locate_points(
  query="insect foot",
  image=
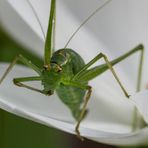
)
(49, 93)
(78, 134)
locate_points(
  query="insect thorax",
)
(65, 63)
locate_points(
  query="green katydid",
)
(65, 72)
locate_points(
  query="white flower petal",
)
(105, 119)
(114, 37)
(120, 26)
(135, 138)
(16, 26)
(71, 22)
(109, 111)
(141, 101)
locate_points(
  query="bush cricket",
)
(65, 72)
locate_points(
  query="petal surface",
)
(114, 38)
(108, 107)
(105, 119)
(141, 101)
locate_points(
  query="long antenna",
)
(86, 20)
(37, 17)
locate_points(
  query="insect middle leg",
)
(18, 82)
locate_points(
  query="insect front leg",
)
(23, 60)
(87, 97)
(18, 82)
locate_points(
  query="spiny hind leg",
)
(114, 74)
(96, 70)
(94, 60)
(83, 110)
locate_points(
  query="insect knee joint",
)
(89, 92)
(103, 55)
(17, 82)
(141, 46)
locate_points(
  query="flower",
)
(120, 25)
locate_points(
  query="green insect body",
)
(65, 63)
(65, 72)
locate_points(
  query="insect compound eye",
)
(56, 67)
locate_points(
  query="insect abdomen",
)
(72, 97)
(69, 95)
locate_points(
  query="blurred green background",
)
(16, 132)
